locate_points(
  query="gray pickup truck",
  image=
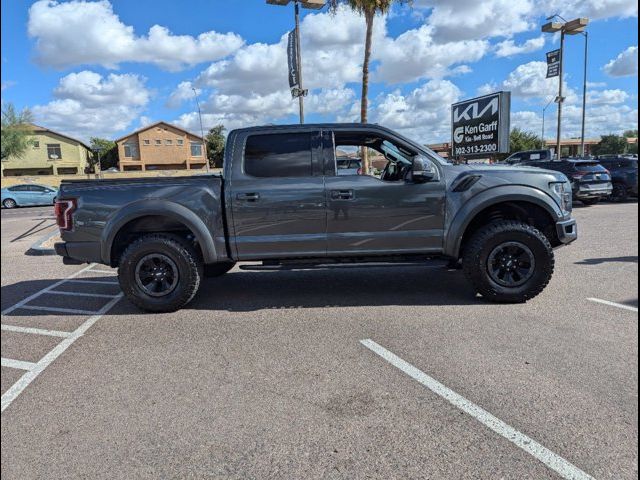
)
(282, 201)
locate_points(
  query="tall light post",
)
(311, 4)
(544, 109)
(584, 90)
(204, 143)
(572, 27)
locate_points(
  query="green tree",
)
(368, 9)
(215, 145)
(630, 133)
(610, 144)
(108, 153)
(16, 131)
(632, 147)
(520, 140)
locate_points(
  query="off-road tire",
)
(619, 194)
(486, 239)
(9, 203)
(213, 270)
(187, 260)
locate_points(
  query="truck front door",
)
(277, 197)
(379, 215)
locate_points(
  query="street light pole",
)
(544, 110)
(584, 91)
(560, 99)
(572, 27)
(298, 59)
(204, 143)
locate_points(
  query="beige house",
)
(160, 146)
(50, 153)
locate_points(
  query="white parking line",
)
(99, 282)
(16, 389)
(18, 364)
(108, 272)
(78, 294)
(614, 304)
(544, 455)
(72, 311)
(35, 331)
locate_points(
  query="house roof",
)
(152, 125)
(38, 128)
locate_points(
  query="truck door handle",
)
(248, 197)
(342, 194)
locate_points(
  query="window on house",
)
(36, 144)
(147, 142)
(180, 142)
(131, 150)
(168, 142)
(158, 141)
(196, 149)
(53, 151)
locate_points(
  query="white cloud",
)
(472, 19)
(607, 97)
(414, 55)
(184, 91)
(624, 65)
(593, 9)
(529, 81)
(81, 32)
(88, 104)
(508, 48)
(423, 114)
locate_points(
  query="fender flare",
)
(488, 198)
(161, 208)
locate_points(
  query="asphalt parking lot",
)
(372, 372)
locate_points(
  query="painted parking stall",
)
(42, 302)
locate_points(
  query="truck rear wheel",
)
(160, 272)
(508, 261)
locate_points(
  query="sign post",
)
(481, 126)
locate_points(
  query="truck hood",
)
(507, 170)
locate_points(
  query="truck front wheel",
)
(160, 272)
(508, 261)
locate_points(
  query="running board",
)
(270, 267)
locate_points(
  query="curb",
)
(38, 248)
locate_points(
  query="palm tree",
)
(368, 9)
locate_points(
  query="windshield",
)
(588, 166)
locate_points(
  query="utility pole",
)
(204, 142)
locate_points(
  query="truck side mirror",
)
(423, 170)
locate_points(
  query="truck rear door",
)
(277, 197)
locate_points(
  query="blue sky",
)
(105, 68)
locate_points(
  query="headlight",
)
(564, 194)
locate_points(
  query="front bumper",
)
(567, 231)
(75, 253)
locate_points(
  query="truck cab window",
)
(278, 155)
(387, 161)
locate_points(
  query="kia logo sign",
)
(472, 110)
(480, 126)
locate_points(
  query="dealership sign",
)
(480, 126)
(553, 63)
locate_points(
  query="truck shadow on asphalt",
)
(247, 291)
(598, 261)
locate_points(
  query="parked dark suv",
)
(519, 158)
(624, 175)
(590, 181)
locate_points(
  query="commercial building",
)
(50, 153)
(160, 146)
